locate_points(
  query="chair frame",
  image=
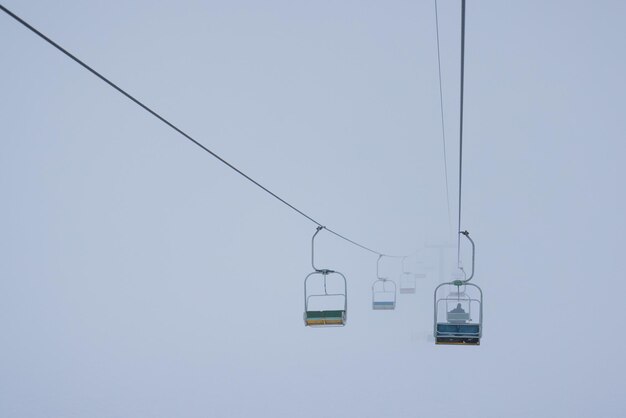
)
(308, 296)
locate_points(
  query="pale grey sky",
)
(139, 277)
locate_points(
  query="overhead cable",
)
(184, 134)
(461, 127)
(443, 127)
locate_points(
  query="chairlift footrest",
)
(457, 341)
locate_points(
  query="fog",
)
(141, 277)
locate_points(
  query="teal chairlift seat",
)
(454, 321)
(459, 326)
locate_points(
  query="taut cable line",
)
(443, 127)
(461, 129)
(183, 133)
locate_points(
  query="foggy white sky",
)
(140, 277)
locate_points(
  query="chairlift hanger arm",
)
(323, 271)
(380, 256)
(317, 231)
(467, 279)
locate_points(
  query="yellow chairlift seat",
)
(325, 295)
(325, 318)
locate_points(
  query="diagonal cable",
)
(180, 131)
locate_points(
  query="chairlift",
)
(383, 291)
(408, 279)
(325, 295)
(408, 283)
(460, 326)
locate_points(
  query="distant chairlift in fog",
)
(325, 295)
(459, 306)
(408, 279)
(383, 291)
